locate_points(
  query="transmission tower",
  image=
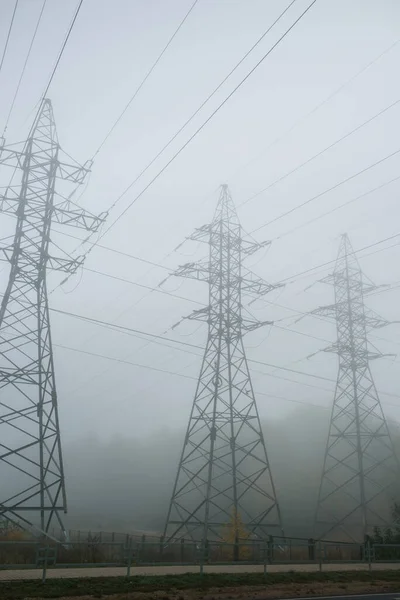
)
(360, 469)
(224, 471)
(32, 487)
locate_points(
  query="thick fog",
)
(124, 397)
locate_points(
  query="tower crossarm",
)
(65, 265)
(248, 326)
(329, 310)
(368, 318)
(63, 213)
(78, 217)
(195, 270)
(374, 321)
(252, 284)
(15, 158)
(201, 234)
(202, 314)
(75, 173)
(249, 247)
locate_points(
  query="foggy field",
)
(199, 283)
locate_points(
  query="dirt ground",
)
(290, 590)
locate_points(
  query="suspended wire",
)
(78, 8)
(306, 162)
(43, 96)
(306, 202)
(8, 35)
(126, 362)
(285, 233)
(114, 250)
(122, 328)
(322, 103)
(296, 276)
(178, 152)
(329, 212)
(169, 142)
(290, 279)
(149, 72)
(193, 135)
(147, 287)
(24, 67)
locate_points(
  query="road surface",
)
(77, 572)
(388, 596)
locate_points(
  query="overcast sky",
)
(313, 89)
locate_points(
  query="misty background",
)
(125, 398)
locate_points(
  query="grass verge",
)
(103, 586)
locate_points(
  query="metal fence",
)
(129, 552)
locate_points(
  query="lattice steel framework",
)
(224, 470)
(32, 487)
(360, 469)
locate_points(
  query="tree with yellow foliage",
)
(237, 534)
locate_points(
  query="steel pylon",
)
(32, 485)
(224, 470)
(360, 470)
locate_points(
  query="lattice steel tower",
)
(224, 470)
(360, 469)
(32, 488)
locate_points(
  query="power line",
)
(147, 287)
(329, 212)
(199, 128)
(205, 101)
(290, 279)
(96, 243)
(296, 276)
(177, 374)
(149, 72)
(325, 101)
(156, 289)
(43, 96)
(8, 35)
(125, 362)
(306, 162)
(292, 210)
(78, 8)
(187, 344)
(24, 67)
(114, 250)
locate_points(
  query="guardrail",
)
(36, 554)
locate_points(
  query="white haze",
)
(130, 410)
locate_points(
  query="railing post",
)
(44, 569)
(369, 554)
(270, 548)
(161, 547)
(143, 546)
(265, 557)
(311, 549)
(320, 554)
(129, 557)
(182, 550)
(202, 558)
